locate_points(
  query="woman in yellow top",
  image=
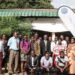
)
(71, 55)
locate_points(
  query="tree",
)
(25, 27)
(25, 4)
(10, 24)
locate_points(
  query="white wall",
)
(49, 25)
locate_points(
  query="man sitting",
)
(33, 63)
(62, 63)
(46, 63)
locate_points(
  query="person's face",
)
(62, 37)
(32, 53)
(15, 34)
(50, 38)
(36, 36)
(4, 37)
(45, 37)
(59, 42)
(26, 37)
(20, 36)
(40, 38)
(32, 39)
(67, 38)
(61, 54)
(56, 38)
(72, 41)
(47, 55)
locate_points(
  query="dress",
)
(71, 55)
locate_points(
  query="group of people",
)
(37, 55)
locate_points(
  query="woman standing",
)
(57, 49)
(1, 53)
(5, 60)
(25, 48)
(71, 55)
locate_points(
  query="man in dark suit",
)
(43, 44)
(49, 45)
(33, 63)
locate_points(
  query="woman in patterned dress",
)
(71, 55)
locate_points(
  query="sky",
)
(59, 3)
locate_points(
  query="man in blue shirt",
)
(13, 44)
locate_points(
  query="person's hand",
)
(32, 70)
(47, 69)
(61, 70)
(3, 55)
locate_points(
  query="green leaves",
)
(10, 24)
(25, 27)
(35, 4)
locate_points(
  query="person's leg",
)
(25, 66)
(16, 61)
(11, 58)
(65, 72)
(22, 64)
(1, 60)
(58, 72)
(42, 71)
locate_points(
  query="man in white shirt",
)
(64, 42)
(52, 46)
(13, 44)
(62, 63)
(46, 63)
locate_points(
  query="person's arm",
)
(66, 65)
(42, 63)
(9, 42)
(51, 63)
(68, 49)
(57, 66)
(29, 45)
(21, 46)
(52, 46)
(3, 53)
(36, 62)
(28, 62)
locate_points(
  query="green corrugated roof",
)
(29, 12)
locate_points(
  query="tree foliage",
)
(10, 24)
(25, 4)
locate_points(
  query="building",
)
(46, 20)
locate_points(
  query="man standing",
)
(49, 45)
(13, 44)
(43, 44)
